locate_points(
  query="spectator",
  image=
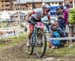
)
(69, 27)
(56, 32)
(60, 17)
(66, 11)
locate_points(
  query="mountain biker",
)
(36, 17)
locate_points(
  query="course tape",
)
(61, 38)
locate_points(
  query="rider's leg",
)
(31, 28)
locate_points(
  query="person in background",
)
(55, 28)
(60, 17)
(69, 27)
(66, 11)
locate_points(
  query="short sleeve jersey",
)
(39, 12)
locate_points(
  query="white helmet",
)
(46, 6)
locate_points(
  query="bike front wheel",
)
(41, 44)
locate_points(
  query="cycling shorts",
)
(31, 27)
(32, 22)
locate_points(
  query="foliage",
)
(72, 16)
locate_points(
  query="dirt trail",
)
(15, 53)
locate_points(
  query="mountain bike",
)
(38, 41)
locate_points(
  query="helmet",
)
(46, 6)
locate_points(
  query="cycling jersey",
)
(39, 13)
(34, 17)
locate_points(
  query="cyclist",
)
(36, 17)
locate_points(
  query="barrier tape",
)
(62, 38)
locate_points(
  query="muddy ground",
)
(16, 53)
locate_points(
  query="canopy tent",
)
(5, 16)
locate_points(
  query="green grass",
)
(3, 24)
(61, 52)
(14, 40)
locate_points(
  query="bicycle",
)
(38, 41)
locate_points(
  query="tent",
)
(5, 16)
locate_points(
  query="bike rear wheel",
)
(31, 44)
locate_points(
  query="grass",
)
(61, 52)
(3, 24)
(19, 39)
(13, 40)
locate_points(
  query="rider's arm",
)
(29, 14)
(48, 17)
